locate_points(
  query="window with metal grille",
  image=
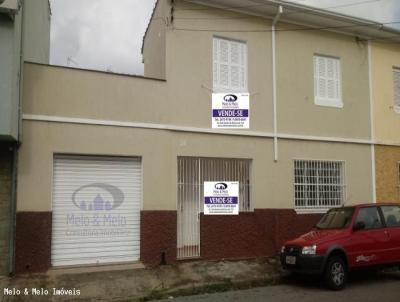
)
(318, 185)
(194, 171)
(327, 81)
(229, 65)
(396, 85)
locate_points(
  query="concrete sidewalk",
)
(124, 283)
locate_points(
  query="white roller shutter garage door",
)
(96, 210)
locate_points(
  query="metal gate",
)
(96, 210)
(192, 173)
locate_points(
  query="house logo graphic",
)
(230, 98)
(101, 201)
(221, 186)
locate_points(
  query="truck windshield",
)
(339, 218)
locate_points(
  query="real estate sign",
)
(230, 110)
(221, 198)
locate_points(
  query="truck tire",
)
(336, 273)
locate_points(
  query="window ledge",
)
(329, 103)
(228, 90)
(311, 211)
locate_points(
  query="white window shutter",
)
(331, 80)
(396, 84)
(320, 77)
(327, 85)
(234, 65)
(235, 53)
(235, 77)
(215, 62)
(224, 51)
(229, 65)
(224, 75)
(243, 68)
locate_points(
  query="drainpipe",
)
(274, 94)
(372, 123)
(13, 208)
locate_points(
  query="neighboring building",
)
(385, 70)
(112, 167)
(18, 19)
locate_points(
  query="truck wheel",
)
(336, 273)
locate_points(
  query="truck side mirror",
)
(360, 225)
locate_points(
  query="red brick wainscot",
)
(251, 234)
(158, 233)
(248, 235)
(33, 242)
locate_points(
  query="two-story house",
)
(112, 167)
(385, 88)
(24, 34)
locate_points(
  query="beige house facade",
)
(136, 151)
(386, 107)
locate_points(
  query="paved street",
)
(362, 288)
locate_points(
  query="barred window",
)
(318, 185)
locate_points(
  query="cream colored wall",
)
(189, 72)
(272, 183)
(190, 69)
(358, 171)
(84, 94)
(37, 18)
(185, 100)
(154, 47)
(384, 57)
(42, 140)
(297, 112)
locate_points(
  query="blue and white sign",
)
(230, 110)
(221, 198)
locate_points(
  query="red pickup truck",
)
(346, 238)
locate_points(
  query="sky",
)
(99, 34)
(378, 10)
(107, 35)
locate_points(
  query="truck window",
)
(370, 217)
(391, 215)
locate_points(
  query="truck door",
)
(391, 216)
(369, 243)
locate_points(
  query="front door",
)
(189, 202)
(192, 173)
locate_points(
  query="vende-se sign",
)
(221, 198)
(230, 110)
